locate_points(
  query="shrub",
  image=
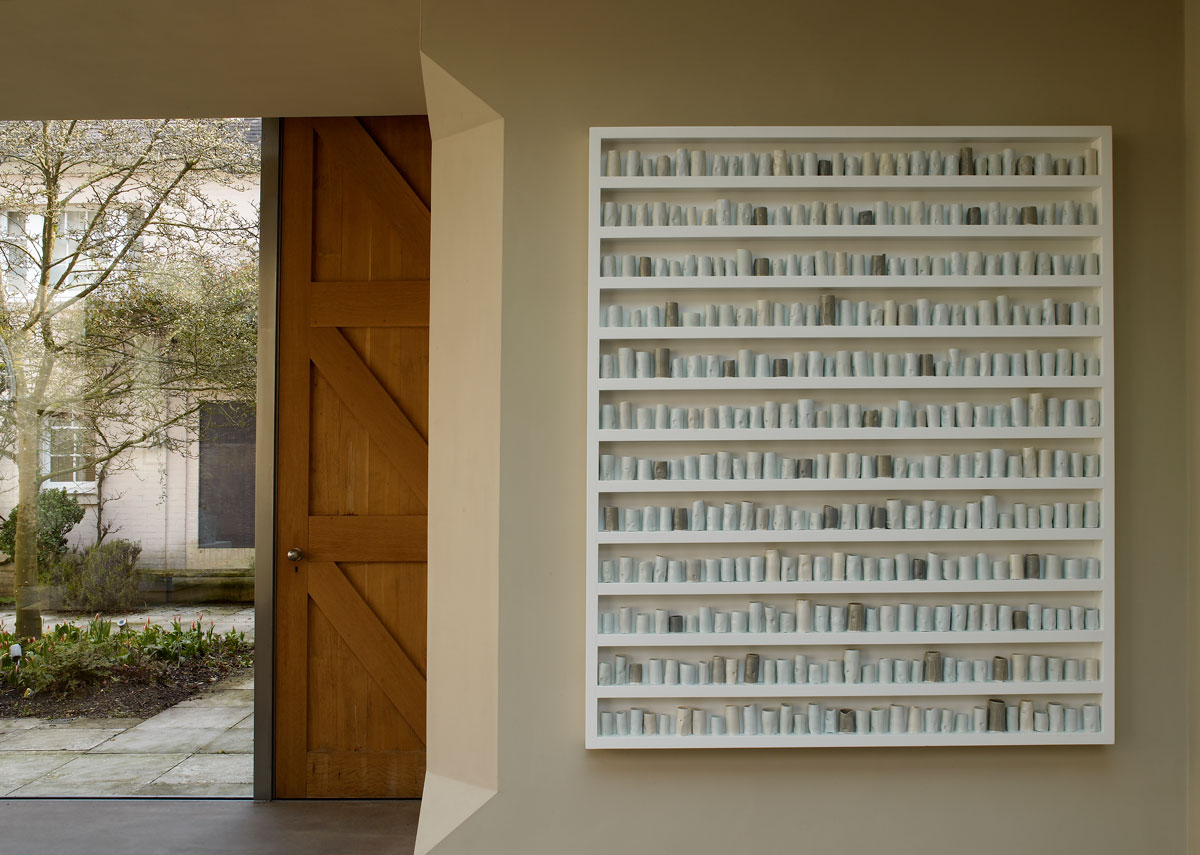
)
(65, 667)
(101, 578)
(58, 513)
(68, 658)
(71, 657)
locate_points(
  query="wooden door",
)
(352, 458)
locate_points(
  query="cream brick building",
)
(191, 511)
(155, 500)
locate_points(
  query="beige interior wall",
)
(552, 70)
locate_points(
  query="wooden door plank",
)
(291, 594)
(380, 537)
(375, 647)
(379, 177)
(396, 593)
(394, 303)
(329, 190)
(406, 142)
(370, 403)
(347, 708)
(349, 774)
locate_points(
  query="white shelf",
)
(916, 586)
(1036, 233)
(849, 332)
(851, 690)
(854, 639)
(851, 182)
(827, 434)
(825, 485)
(937, 136)
(841, 283)
(852, 740)
(930, 535)
(611, 384)
(871, 392)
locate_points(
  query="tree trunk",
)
(25, 567)
(101, 531)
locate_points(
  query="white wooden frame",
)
(81, 489)
(1098, 542)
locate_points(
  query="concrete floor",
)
(212, 827)
(200, 747)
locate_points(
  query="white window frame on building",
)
(60, 423)
(21, 231)
(18, 253)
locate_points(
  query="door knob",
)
(295, 554)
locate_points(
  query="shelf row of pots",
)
(779, 162)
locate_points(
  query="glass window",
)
(72, 446)
(226, 475)
(16, 257)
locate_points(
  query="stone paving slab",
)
(178, 716)
(102, 775)
(211, 768)
(222, 698)
(196, 790)
(18, 768)
(57, 739)
(113, 723)
(159, 740)
(236, 740)
(9, 725)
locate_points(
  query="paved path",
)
(200, 747)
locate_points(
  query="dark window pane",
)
(226, 475)
(59, 465)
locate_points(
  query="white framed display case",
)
(850, 442)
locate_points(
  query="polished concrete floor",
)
(206, 827)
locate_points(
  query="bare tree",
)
(104, 469)
(127, 294)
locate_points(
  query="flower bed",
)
(102, 669)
